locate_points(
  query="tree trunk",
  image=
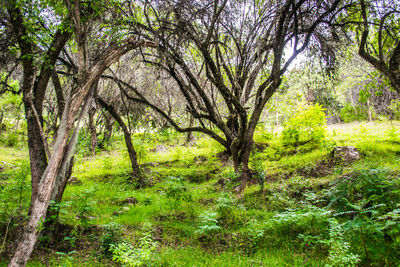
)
(37, 151)
(92, 129)
(63, 150)
(58, 192)
(189, 137)
(128, 141)
(1, 122)
(369, 111)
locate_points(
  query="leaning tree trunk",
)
(64, 145)
(92, 129)
(128, 141)
(1, 122)
(59, 159)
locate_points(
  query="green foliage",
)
(166, 135)
(391, 226)
(177, 189)
(365, 187)
(208, 223)
(310, 220)
(142, 150)
(85, 206)
(107, 163)
(224, 207)
(297, 220)
(339, 249)
(393, 135)
(348, 113)
(254, 236)
(394, 107)
(14, 192)
(307, 125)
(11, 109)
(259, 172)
(112, 235)
(363, 199)
(140, 255)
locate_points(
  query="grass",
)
(101, 199)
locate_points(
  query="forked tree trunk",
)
(240, 160)
(59, 159)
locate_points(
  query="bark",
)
(390, 67)
(34, 88)
(1, 122)
(109, 124)
(64, 147)
(369, 111)
(189, 136)
(128, 141)
(92, 130)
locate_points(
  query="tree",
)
(379, 43)
(226, 59)
(127, 135)
(77, 19)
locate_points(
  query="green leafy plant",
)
(307, 125)
(140, 255)
(177, 189)
(112, 234)
(142, 150)
(107, 163)
(339, 249)
(394, 107)
(85, 206)
(208, 223)
(393, 135)
(349, 113)
(259, 173)
(254, 235)
(225, 206)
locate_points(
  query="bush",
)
(208, 223)
(177, 189)
(394, 107)
(140, 255)
(307, 125)
(348, 113)
(253, 236)
(368, 187)
(339, 248)
(112, 234)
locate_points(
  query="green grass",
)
(100, 198)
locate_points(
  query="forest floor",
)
(186, 213)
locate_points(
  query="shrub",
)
(307, 125)
(348, 113)
(111, 235)
(142, 150)
(339, 249)
(177, 189)
(254, 235)
(85, 205)
(394, 107)
(140, 255)
(208, 223)
(225, 205)
(367, 186)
